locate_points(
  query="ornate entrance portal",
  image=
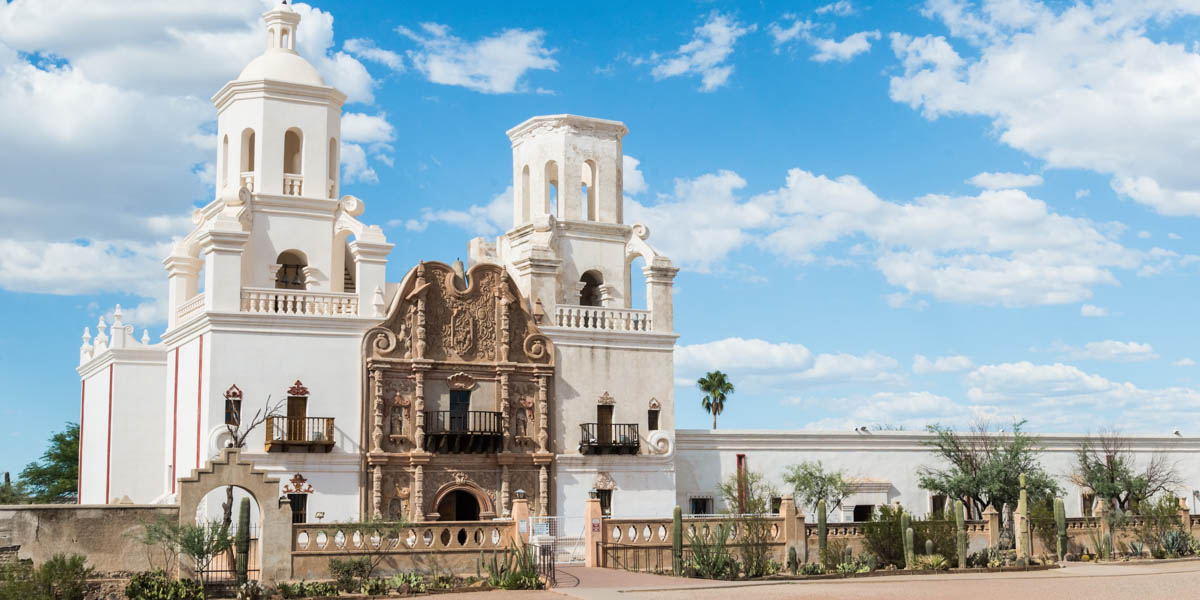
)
(458, 505)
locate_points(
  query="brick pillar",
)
(520, 517)
(992, 517)
(1185, 515)
(593, 532)
(793, 530)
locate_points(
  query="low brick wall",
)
(103, 533)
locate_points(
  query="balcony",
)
(602, 319)
(190, 308)
(299, 302)
(463, 432)
(247, 180)
(308, 434)
(609, 438)
(293, 185)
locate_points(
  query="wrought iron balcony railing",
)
(609, 438)
(467, 431)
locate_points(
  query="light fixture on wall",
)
(320, 515)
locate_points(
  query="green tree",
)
(811, 483)
(1105, 464)
(983, 466)
(54, 479)
(10, 493)
(717, 388)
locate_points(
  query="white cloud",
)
(1082, 193)
(490, 219)
(366, 49)
(363, 128)
(910, 410)
(1009, 382)
(782, 35)
(706, 53)
(634, 182)
(845, 50)
(1174, 236)
(1143, 235)
(493, 65)
(355, 166)
(1089, 310)
(841, 8)
(85, 268)
(999, 181)
(1184, 362)
(1112, 350)
(760, 366)
(942, 364)
(1077, 86)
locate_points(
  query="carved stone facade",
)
(467, 338)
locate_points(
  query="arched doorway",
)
(458, 505)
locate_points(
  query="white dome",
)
(281, 65)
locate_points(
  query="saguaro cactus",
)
(910, 558)
(822, 530)
(904, 528)
(960, 526)
(677, 542)
(242, 542)
(1060, 527)
(928, 547)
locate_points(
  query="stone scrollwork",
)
(660, 442)
(461, 381)
(603, 481)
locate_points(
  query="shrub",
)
(156, 585)
(414, 581)
(710, 556)
(349, 573)
(833, 555)
(932, 562)
(516, 571)
(63, 577)
(307, 589)
(939, 531)
(812, 569)
(1176, 543)
(881, 536)
(1160, 518)
(373, 586)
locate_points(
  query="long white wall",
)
(888, 460)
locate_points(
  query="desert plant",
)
(1176, 543)
(960, 529)
(811, 483)
(157, 585)
(516, 570)
(750, 492)
(381, 538)
(677, 542)
(349, 573)
(812, 569)
(1159, 517)
(793, 563)
(202, 542)
(928, 547)
(883, 535)
(63, 577)
(414, 582)
(833, 554)
(710, 556)
(1060, 527)
(909, 555)
(373, 586)
(932, 562)
(242, 543)
(251, 590)
(307, 589)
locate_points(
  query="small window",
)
(290, 275)
(292, 164)
(233, 411)
(863, 512)
(299, 507)
(605, 502)
(700, 506)
(741, 483)
(776, 503)
(937, 505)
(652, 420)
(1087, 501)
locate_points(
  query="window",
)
(587, 191)
(551, 194)
(333, 167)
(741, 483)
(525, 208)
(460, 407)
(700, 506)
(937, 504)
(247, 151)
(863, 512)
(1087, 502)
(291, 152)
(233, 411)
(652, 420)
(225, 162)
(589, 294)
(776, 503)
(299, 507)
(605, 502)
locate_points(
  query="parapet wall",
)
(106, 534)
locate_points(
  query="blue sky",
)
(884, 212)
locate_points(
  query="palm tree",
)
(717, 388)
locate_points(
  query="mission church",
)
(444, 395)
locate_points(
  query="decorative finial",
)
(87, 336)
(100, 326)
(117, 314)
(146, 337)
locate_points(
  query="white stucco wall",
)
(706, 457)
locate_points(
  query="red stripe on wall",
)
(175, 421)
(199, 397)
(79, 473)
(108, 458)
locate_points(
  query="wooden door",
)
(604, 429)
(297, 411)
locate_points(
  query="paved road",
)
(1140, 581)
